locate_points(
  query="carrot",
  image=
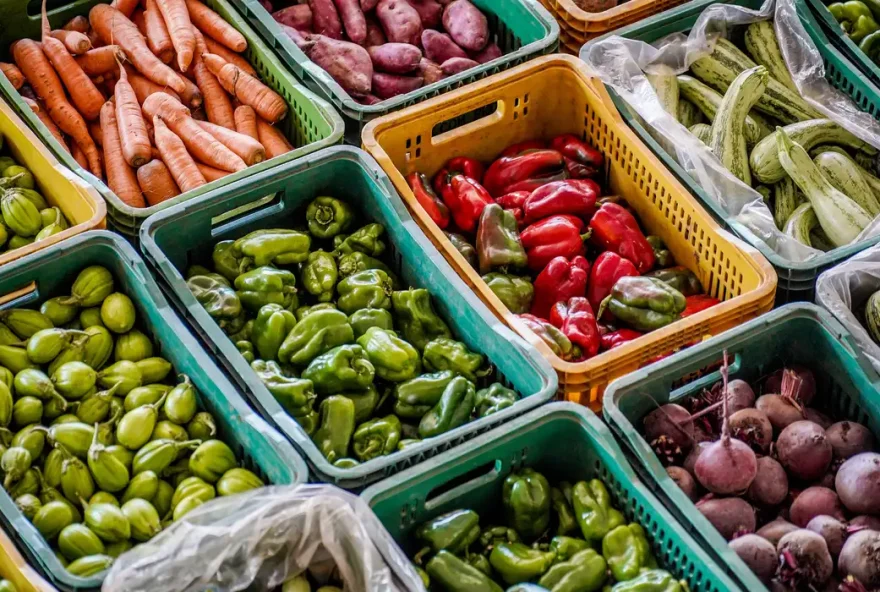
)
(200, 143)
(157, 35)
(156, 182)
(114, 27)
(75, 42)
(250, 150)
(97, 62)
(120, 177)
(95, 39)
(13, 74)
(40, 75)
(175, 156)
(96, 133)
(248, 90)
(214, 26)
(272, 139)
(217, 104)
(144, 87)
(80, 24)
(137, 17)
(132, 129)
(47, 121)
(126, 7)
(210, 173)
(192, 94)
(79, 156)
(179, 29)
(246, 121)
(229, 56)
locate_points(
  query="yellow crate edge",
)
(567, 12)
(14, 568)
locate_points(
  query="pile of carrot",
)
(152, 96)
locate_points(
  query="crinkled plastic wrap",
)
(259, 539)
(622, 63)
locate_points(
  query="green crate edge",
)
(409, 487)
(216, 341)
(35, 547)
(842, 42)
(128, 219)
(357, 115)
(796, 280)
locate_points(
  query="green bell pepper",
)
(452, 410)
(314, 335)
(481, 563)
(516, 293)
(319, 275)
(627, 551)
(644, 303)
(565, 519)
(652, 580)
(217, 298)
(243, 334)
(453, 532)
(526, 499)
(566, 547)
(494, 535)
(462, 245)
(516, 562)
(356, 262)
(498, 243)
(494, 398)
(246, 349)
(680, 278)
(593, 511)
(855, 18)
(415, 397)
(365, 289)
(366, 240)
(337, 426)
(274, 245)
(196, 270)
(555, 339)
(443, 353)
(423, 575)
(234, 325)
(267, 285)
(328, 216)
(304, 311)
(346, 463)
(271, 326)
(295, 395)
(365, 403)
(662, 255)
(415, 317)
(343, 368)
(870, 45)
(394, 359)
(584, 572)
(365, 318)
(406, 442)
(376, 437)
(455, 575)
(227, 263)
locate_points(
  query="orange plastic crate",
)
(581, 26)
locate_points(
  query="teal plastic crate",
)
(310, 125)
(832, 29)
(186, 234)
(564, 441)
(797, 281)
(31, 280)
(797, 333)
(523, 29)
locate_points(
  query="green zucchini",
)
(872, 316)
(844, 174)
(703, 131)
(728, 141)
(666, 87)
(761, 43)
(866, 160)
(726, 62)
(764, 159)
(820, 240)
(688, 113)
(872, 181)
(786, 198)
(801, 222)
(707, 100)
(765, 192)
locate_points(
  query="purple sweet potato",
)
(832, 530)
(803, 449)
(815, 501)
(325, 19)
(684, 480)
(298, 16)
(860, 558)
(770, 486)
(758, 553)
(386, 86)
(806, 557)
(400, 21)
(375, 35)
(849, 438)
(454, 66)
(729, 515)
(430, 71)
(348, 63)
(297, 37)
(266, 4)
(858, 483)
(353, 20)
(440, 47)
(396, 58)
(368, 5)
(774, 531)
(368, 100)
(491, 52)
(467, 26)
(430, 11)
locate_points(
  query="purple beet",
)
(860, 558)
(672, 422)
(770, 486)
(729, 515)
(780, 411)
(849, 438)
(684, 480)
(832, 530)
(803, 449)
(864, 522)
(804, 560)
(811, 414)
(815, 501)
(803, 387)
(691, 459)
(858, 483)
(758, 553)
(774, 531)
(752, 427)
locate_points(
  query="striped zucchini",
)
(764, 158)
(707, 100)
(819, 240)
(762, 44)
(766, 193)
(841, 218)
(872, 316)
(703, 131)
(726, 62)
(666, 87)
(728, 141)
(801, 222)
(688, 113)
(844, 174)
(786, 198)
(872, 181)
(867, 160)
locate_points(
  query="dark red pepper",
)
(428, 199)
(530, 185)
(607, 269)
(528, 146)
(698, 303)
(560, 280)
(513, 203)
(576, 320)
(466, 201)
(469, 167)
(507, 171)
(615, 229)
(577, 170)
(574, 196)
(556, 236)
(618, 338)
(583, 159)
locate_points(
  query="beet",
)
(849, 438)
(691, 459)
(729, 515)
(701, 435)
(779, 411)
(758, 553)
(865, 522)
(804, 560)
(684, 480)
(858, 483)
(815, 501)
(803, 393)
(860, 558)
(804, 450)
(739, 396)
(671, 422)
(752, 427)
(832, 530)
(827, 479)
(811, 414)
(773, 531)
(770, 486)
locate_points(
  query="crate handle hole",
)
(459, 486)
(466, 123)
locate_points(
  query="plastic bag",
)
(259, 539)
(622, 64)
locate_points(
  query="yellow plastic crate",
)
(14, 568)
(556, 95)
(80, 203)
(581, 26)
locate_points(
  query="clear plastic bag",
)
(259, 539)
(622, 64)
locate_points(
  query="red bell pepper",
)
(574, 196)
(698, 303)
(513, 203)
(507, 171)
(575, 319)
(534, 183)
(556, 236)
(618, 338)
(615, 229)
(428, 199)
(560, 280)
(460, 165)
(582, 159)
(607, 269)
(528, 146)
(466, 201)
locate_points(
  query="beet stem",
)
(725, 425)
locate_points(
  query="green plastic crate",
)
(797, 281)
(263, 450)
(523, 30)
(185, 235)
(565, 442)
(851, 50)
(796, 333)
(311, 123)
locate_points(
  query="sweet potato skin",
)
(440, 47)
(325, 18)
(348, 63)
(298, 16)
(395, 58)
(491, 52)
(353, 20)
(454, 66)
(386, 86)
(467, 26)
(430, 11)
(400, 21)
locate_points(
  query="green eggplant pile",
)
(7, 586)
(561, 538)
(101, 446)
(365, 365)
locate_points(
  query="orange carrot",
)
(114, 27)
(47, 121)
(210, 173)
(100, 61)
(217, 104)
(75, 42)
(272, 139)
(95, 39)
(156, 155)
(13, 74)
(179, 29)
(214, 26)
(79, 24)
(42, 78)
(246, 121)
(200, 143)
(132, 129)
(137, 17)
(120, 177)
(192, 94)
(229, 56)
(144, 87)
(79, 156)
(250, 150)
(156, 182)
(175, 156)
(248, 90)
(126, 7)
(96, 133)
(157, 33)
